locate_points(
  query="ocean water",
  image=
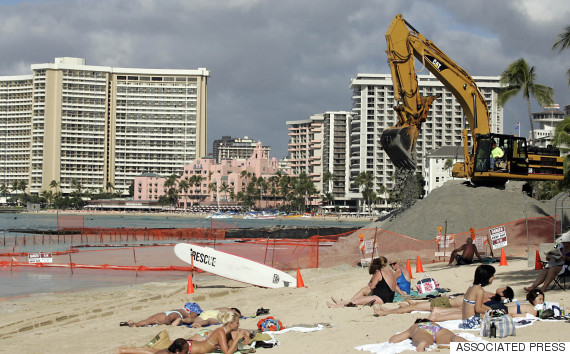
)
(24, 281)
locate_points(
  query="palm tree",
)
(328, 179)
(563, 42)
(519, 76)
(4, 190)
(365, 182)
(183, 186)
(54, 184)
(562, 141)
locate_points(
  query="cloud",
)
(274, 61)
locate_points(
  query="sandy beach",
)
(88, 322)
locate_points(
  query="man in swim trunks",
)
(469, 250)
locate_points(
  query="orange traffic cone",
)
(409, 268)
(537, 261)
(300, 283)
(503, 258)
(190, 287)
(419, 268)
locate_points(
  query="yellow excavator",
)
(519, 161)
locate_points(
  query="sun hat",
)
(192, 307)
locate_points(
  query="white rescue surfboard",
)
(233, 267)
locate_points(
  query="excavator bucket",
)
(399, 144)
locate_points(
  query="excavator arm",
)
(405, 44)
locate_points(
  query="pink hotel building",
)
(149, 187)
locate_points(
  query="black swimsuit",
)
(383, 291)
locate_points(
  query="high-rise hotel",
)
(99, 126)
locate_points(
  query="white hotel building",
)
(99, 125)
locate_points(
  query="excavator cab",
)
(513, 161)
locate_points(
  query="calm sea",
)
(22, 281)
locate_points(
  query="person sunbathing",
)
(209, 317)
(424, 333)
(443, 302)
(558, 262)
(190, 311)
(380, 289)
(219, 339)
(402, 277)
(473, 306)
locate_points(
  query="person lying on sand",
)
(209, 317)
(190, 311)
(443, 302)
(380, 289)
(513, 309)
(424, 333)
(219, 339)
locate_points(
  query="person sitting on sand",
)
(556, 265)
(380, 289)
(469, 250)
(444, 302)
(190, 311)
(424, 333)
(209, 317)
(473, 306)
(402, 277)
(219, 339)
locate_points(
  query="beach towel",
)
(394, 348)
(298, 328)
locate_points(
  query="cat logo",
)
(436, 64)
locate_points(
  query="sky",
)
(277, 61)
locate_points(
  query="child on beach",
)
(424, 333)
(473, 306)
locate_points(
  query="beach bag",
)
(270, 324)
(160, 341)
(505, 325)
(427, 285)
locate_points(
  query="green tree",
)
(54, 184)
(562, 43)
(365, 181)
(520, 77)
(562, 141)
(183, 187)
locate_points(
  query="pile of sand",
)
(464, 206)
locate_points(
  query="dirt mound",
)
(465, 206)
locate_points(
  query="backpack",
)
(270, 324)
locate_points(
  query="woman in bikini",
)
(473, 306)
(173, 318)
(424, 333)
(402, 277)
(219, 339)
(520, 309)
(380, 289)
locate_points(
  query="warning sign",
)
(40, 258)
(498, 237)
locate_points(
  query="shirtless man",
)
(468, 249)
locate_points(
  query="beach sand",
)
(88, 322)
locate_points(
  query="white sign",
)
(498, 237)
(40, 258)
(480, 242)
